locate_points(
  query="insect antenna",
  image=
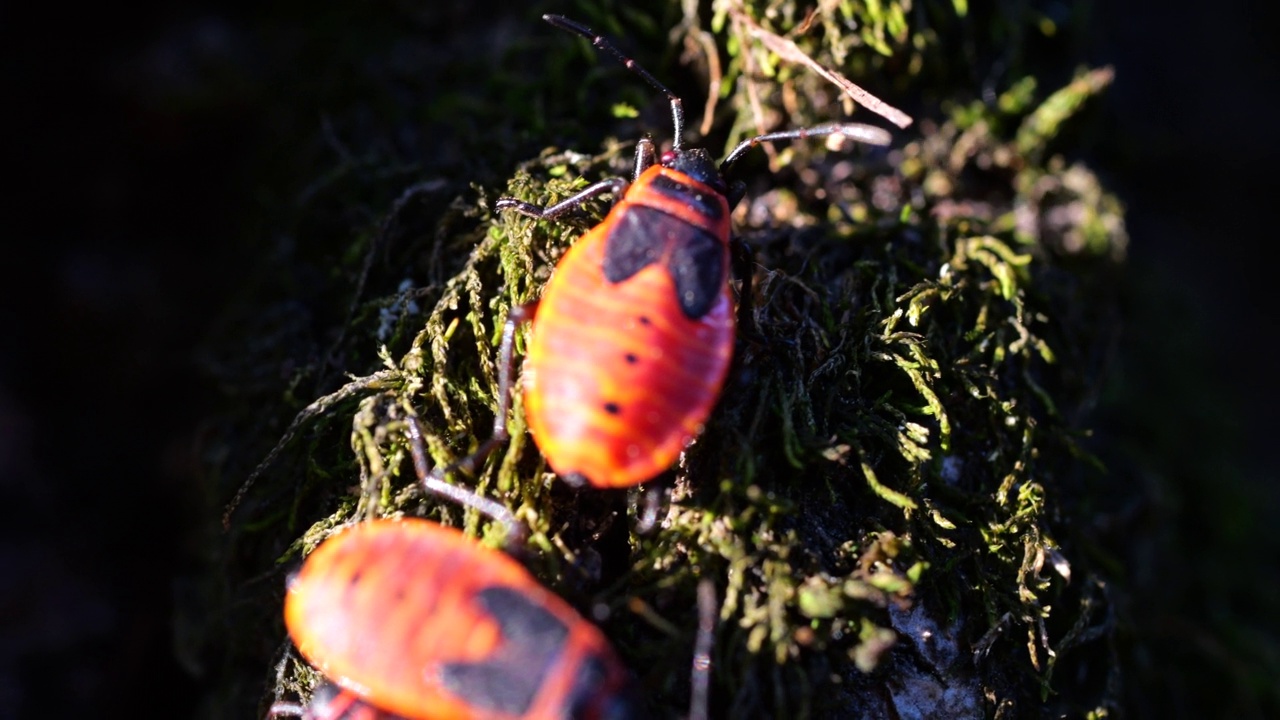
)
(602, 43)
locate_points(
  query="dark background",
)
(142, 156)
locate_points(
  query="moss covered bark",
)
(895, 494)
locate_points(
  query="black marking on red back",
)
(509, 680)
(695, 257)
(707, 204)
(697, 266)
(633, 243)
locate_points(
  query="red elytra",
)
(634, 332)
(424, 622)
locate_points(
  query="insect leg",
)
(286, 709)
(700, 677)
(742, 259)
(615, 186)
(869, 134)
(433, 479)
(646, 156)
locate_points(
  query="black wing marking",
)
(697, 267)
(636, 241)
(509, 680)
(695, 258)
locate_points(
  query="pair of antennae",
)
(861, 132)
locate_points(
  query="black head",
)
(697, 164)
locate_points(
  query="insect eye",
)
(668, 157)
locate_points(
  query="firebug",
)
(634, 332)
(413, 620)
(424, 622)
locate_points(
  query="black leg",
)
(700, 677)
(742, 260)
(867, 134)
(433, 479)
(646, 156)
(616, 186)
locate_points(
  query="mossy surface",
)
(895, 493)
